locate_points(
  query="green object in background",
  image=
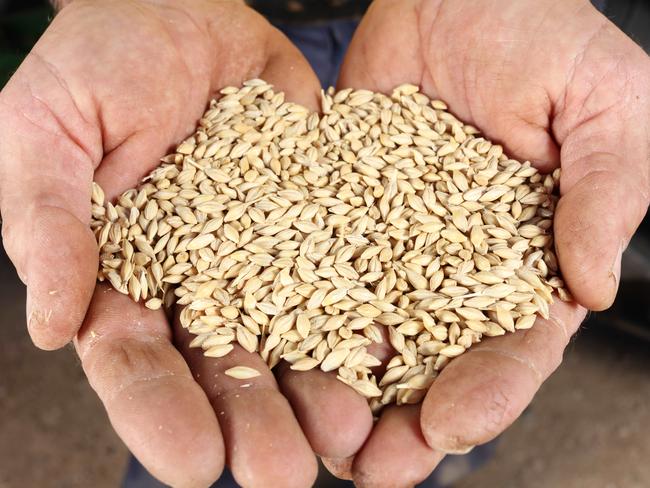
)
(19, 31)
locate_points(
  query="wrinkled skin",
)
(113, 85)
(556, 83)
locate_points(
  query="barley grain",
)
(300, 236)
(242, 372)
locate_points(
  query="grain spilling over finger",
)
(242, 372)
(463, 409)
(382, 224)
(264, 443)
(335, 419)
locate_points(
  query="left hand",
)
(555, 83)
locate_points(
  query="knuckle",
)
(113, 366)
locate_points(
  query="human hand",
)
(106, 92)
(556, 83)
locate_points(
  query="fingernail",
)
(458, 450)
(616, 266)
(29, 309)
(339, 467)
(36, 316)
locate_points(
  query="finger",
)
(260, 51)
(264, 443)
(288, 71)
(604, 198)
(46, 166)
(155, 406)
(603, 125)
(464, 408)
(339, 467)
(378, 41)
(335, 419)
(396, 453)
(594, 222)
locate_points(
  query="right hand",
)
(109, 89)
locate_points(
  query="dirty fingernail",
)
(339, 467)
(458, 450)
(29, 309)
(616, 267)
(37, 318)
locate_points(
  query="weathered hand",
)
(556, 83)
(104, 93)
(109, 88)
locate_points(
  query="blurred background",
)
(588, 427)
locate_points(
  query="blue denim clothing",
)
(323, 45)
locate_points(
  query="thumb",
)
(594, 221)
(605, 182)
(45, 186)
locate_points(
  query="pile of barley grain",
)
(299, 235)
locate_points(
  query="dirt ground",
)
(588, 427)
(53, 430)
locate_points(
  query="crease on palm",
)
(108, 116)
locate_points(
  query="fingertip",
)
(54, 317)
(613, 279)
(463, 409)
(335, 419)
(589, 250)
(266, 445)
(180, 445)
(60, 270)
(339, 467)
(44, 332)
(396, 454)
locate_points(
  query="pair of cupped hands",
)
(113, 85)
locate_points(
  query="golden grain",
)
(242, 372)
(299, 236)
